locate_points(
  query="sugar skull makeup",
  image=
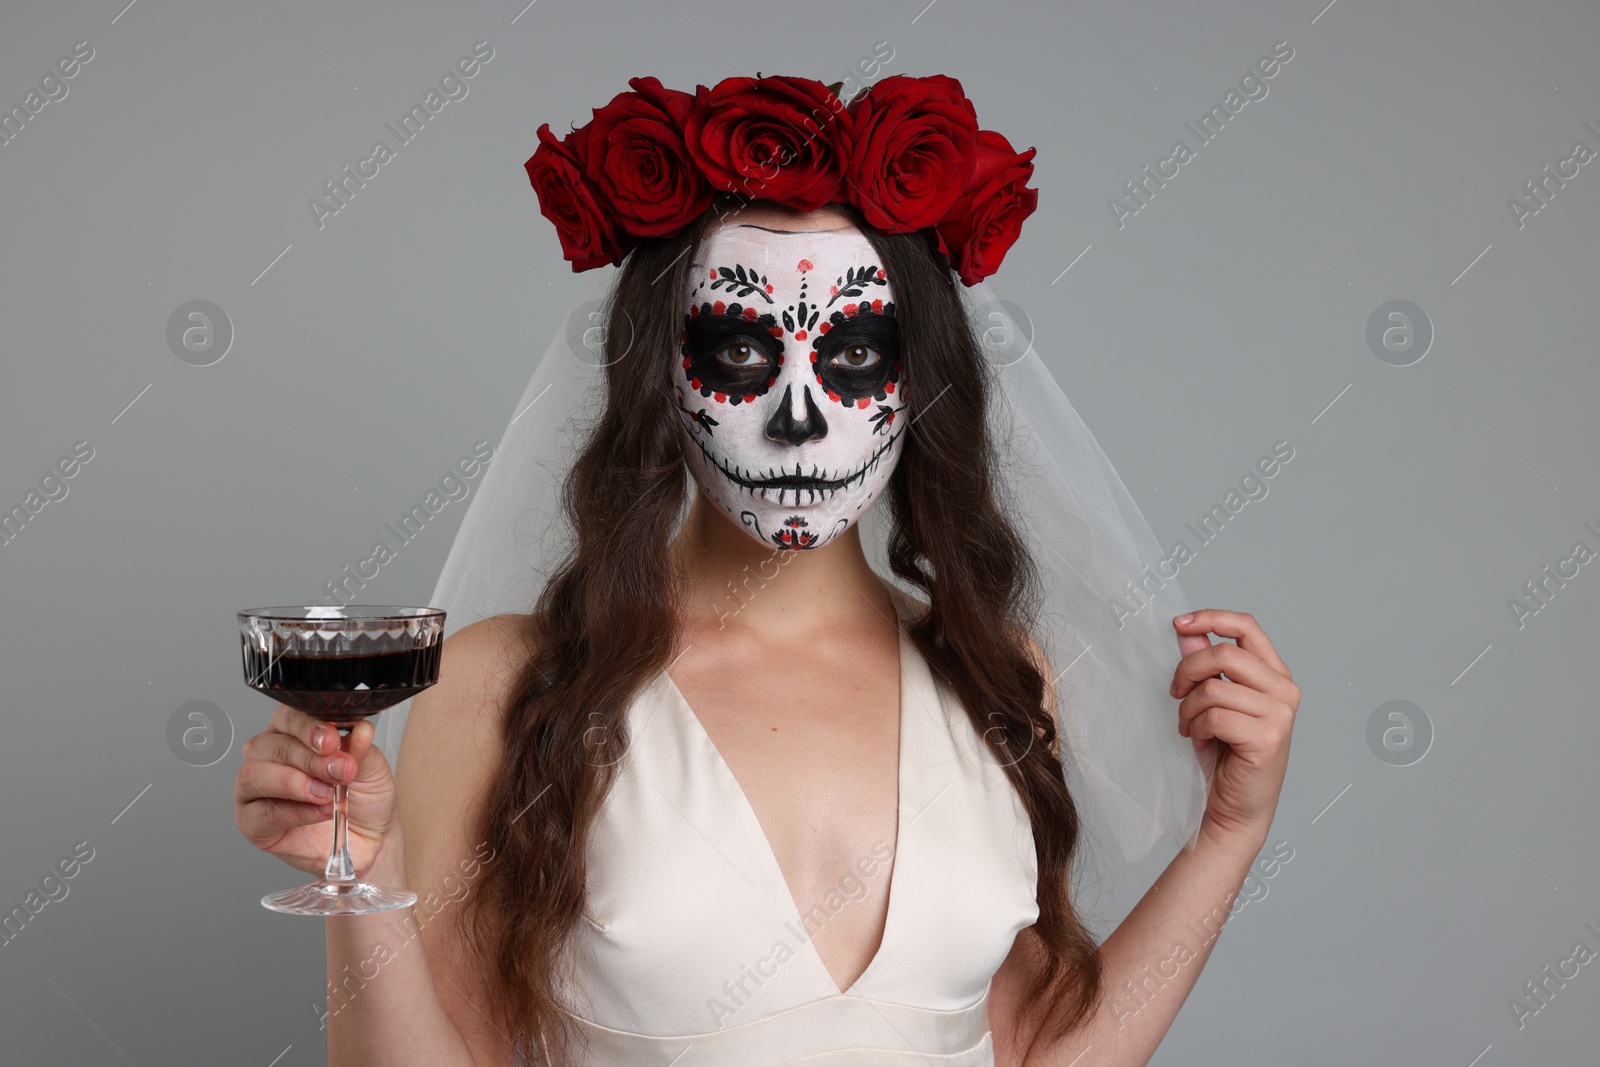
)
(789, 379)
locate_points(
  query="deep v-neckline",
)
(795, 918)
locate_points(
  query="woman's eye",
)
(857, 357)
(740, 354)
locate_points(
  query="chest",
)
(813, 743)
(690, 923)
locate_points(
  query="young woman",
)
(699, 807)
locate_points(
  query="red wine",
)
(343, 688)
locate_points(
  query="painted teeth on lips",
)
(791, 482)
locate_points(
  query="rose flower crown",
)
(907, 152)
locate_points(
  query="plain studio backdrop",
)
(1434, 850)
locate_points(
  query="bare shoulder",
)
(453, 732)
(449, 759)
(1040, 661)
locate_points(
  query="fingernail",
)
(336, 768)
(318, 736)
(321, 790)
(1185, 618)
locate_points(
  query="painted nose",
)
(783, 426)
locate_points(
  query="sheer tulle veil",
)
(1105, 621)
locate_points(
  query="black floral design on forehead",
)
(854, 282)
(741, 282)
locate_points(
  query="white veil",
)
(1091, 544)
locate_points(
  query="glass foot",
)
(338, 898)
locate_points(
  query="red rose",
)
(584, 220)
(985, 219)
(637, 159)
(916, 146)
(775, 138)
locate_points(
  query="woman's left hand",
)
(1251, 712)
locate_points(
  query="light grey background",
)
(1229, 314)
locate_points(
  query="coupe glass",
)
(340, 664)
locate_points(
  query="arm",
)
(403, 991)
(1153, 958)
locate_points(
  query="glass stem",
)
(339, 868)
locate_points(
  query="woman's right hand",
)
(283, 793)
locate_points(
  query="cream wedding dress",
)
(692, 952)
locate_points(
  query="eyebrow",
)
(769, 229)
(753, 226)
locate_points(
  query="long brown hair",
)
(607, 620)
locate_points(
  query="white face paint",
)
(789, 380)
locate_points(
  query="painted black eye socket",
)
(731, 354)
(859, 356)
